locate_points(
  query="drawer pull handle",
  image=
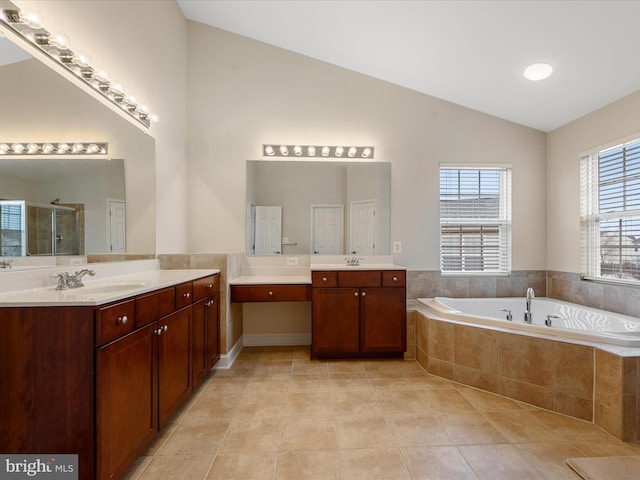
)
(186, 295)
(270, 294)
(355, 294)
(324, 279)
(123, 320)
(395, 279)
(159, 331)
(210, 285)
(364, 294)
(165, 328)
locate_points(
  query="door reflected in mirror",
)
(326, 208)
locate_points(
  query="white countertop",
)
(299, 279)
(367, 266)
(105, 287)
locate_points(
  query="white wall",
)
(243, 93)
(613, 122)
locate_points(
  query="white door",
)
(363, 228)
(326, 229)
(117, 222)
(268, 230)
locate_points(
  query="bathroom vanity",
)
(98, 370)
(357, 310)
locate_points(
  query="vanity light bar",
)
(325, 151)
(56, 47)
(77, 148)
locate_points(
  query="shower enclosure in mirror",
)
(325, 208)
(28, 229)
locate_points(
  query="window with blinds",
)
(610, 213)
(12, 228)
(475, 220)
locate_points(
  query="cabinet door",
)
(199, 341)
(126, 400)
(174, 362)
(212, 330)
(335, 324)
(383, 320)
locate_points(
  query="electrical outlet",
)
(292, 260)
(397, 247)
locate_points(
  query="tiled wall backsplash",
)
(431, 283)
(621, 299)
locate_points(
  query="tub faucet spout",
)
(528, 315)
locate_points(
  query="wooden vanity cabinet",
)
(205, 326)
(358, 313)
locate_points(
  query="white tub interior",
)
(568, 319)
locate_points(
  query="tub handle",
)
(547, 322)
(509, 316)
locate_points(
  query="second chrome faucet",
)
(67, 281)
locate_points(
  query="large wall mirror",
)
(40, 105)
(318, 208)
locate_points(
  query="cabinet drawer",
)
(270, 293)
(362, 278)
(154, 305)
(394, 278)
(114, 321)
(184, 294)
(324, 279)
(203, 287)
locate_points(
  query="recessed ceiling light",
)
(538, 71)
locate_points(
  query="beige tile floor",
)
(276, 414)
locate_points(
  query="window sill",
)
(611, 281)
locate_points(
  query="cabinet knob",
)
(159, 331)
(187, 295)
(123, 320)
(270, 294)
(165, 328)
(395, 279)
(210, 285)
(364, 294)
(324, 279)
(355, 294)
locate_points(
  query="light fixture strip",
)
(317, 151)
(55, 48)
(54, 148)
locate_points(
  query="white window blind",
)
(610, 213)
(475, 220)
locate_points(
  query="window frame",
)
(492, 232)
(591, 217)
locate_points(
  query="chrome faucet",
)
(353, 261)
(5, 263)
(67, 281)
(528, 315)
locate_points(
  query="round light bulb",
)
(325, 151)
(63, 147)
(32, 148)
(311, 151)
(366, 152)
(59, 40)
(4, 148)
(82, 59)
(77, 148)
(47, 148)
(268, 150)
(284, 151)
(31, 18)
(339, 151)
(297, 150)
(352, 151)
(17, 148)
